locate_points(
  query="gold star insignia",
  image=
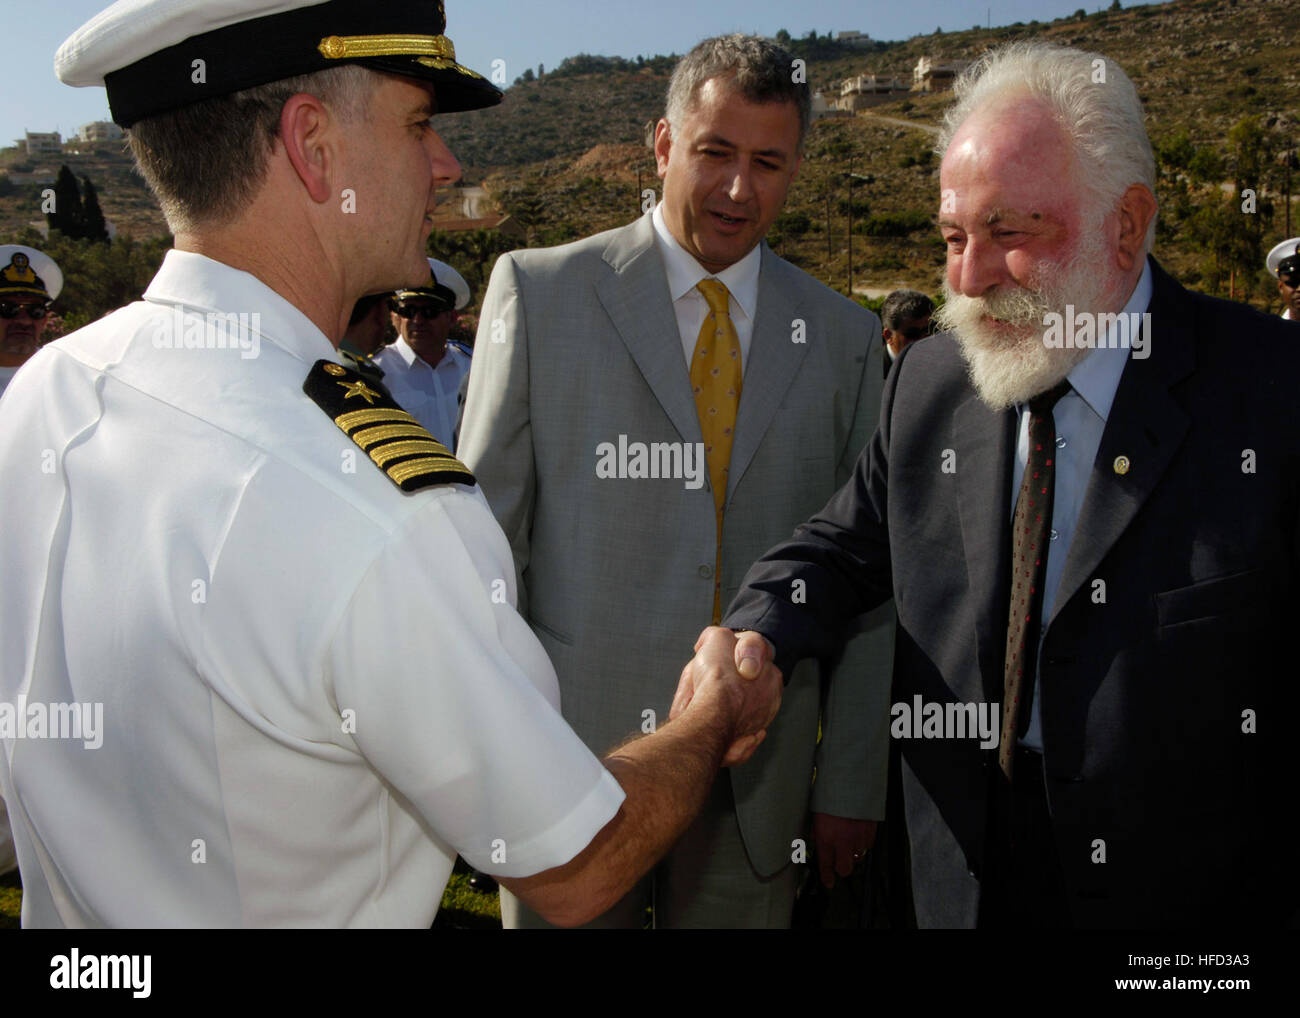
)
(360, 389)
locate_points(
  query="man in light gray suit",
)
(631, 521)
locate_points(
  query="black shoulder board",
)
(397, 443)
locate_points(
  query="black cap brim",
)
(398, 36)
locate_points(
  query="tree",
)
(92, 218)
(783, 37)
(1116, 6)
(67, 216)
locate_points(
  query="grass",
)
(463, 907)
(11, 901)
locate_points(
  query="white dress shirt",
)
(428, 394)
(316, 690)
(1080, 417)
(684, 272)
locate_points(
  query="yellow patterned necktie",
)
(716, 380)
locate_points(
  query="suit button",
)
(706, 572)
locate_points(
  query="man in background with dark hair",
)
(683, 336)
(904, 318)
(367, 327)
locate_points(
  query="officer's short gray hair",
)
(205, 162)
(761, 71)
(1089, 95)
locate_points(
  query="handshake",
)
(733, 679)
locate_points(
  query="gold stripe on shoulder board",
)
(409, 470)
(393, 439)
(358, 418)
(367, 437)
(385, 454)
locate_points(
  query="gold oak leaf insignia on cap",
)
(394, 440)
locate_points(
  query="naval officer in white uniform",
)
(257, 634)
(421, 369)
(30, 281)
(1284, 262)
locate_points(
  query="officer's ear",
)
(308, 132)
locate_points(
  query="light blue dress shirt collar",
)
(1096, 377)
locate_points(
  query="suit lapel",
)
(774, 360)
(635, 296)
(984, 443)
(1146, 426)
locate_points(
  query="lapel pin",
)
(1121, 465)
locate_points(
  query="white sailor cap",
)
(451, 279)
(159, 55)
(26, 272)
(1287, 251)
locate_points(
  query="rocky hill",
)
(565, 153)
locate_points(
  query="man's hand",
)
(840, 843)
(752, 652)
(740, 670)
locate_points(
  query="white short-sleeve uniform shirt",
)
(315, 688)
(428, 394)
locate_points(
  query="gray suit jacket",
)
(577, 346)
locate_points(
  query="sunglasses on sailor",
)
(425, 311)
(12, 309)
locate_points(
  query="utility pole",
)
(829, 253)
(850, 229)
(1290, 154)
(852, 177)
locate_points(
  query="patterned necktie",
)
(1030, 531)
(716, 380)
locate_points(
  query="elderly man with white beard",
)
(1092, 531)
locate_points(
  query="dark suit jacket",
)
(1168, 679)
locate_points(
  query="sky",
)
(523, 33)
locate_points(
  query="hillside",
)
(565, 153)
(1201, 67)
(123, 194)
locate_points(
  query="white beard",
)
(1010, 364)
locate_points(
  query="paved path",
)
(914, 125)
